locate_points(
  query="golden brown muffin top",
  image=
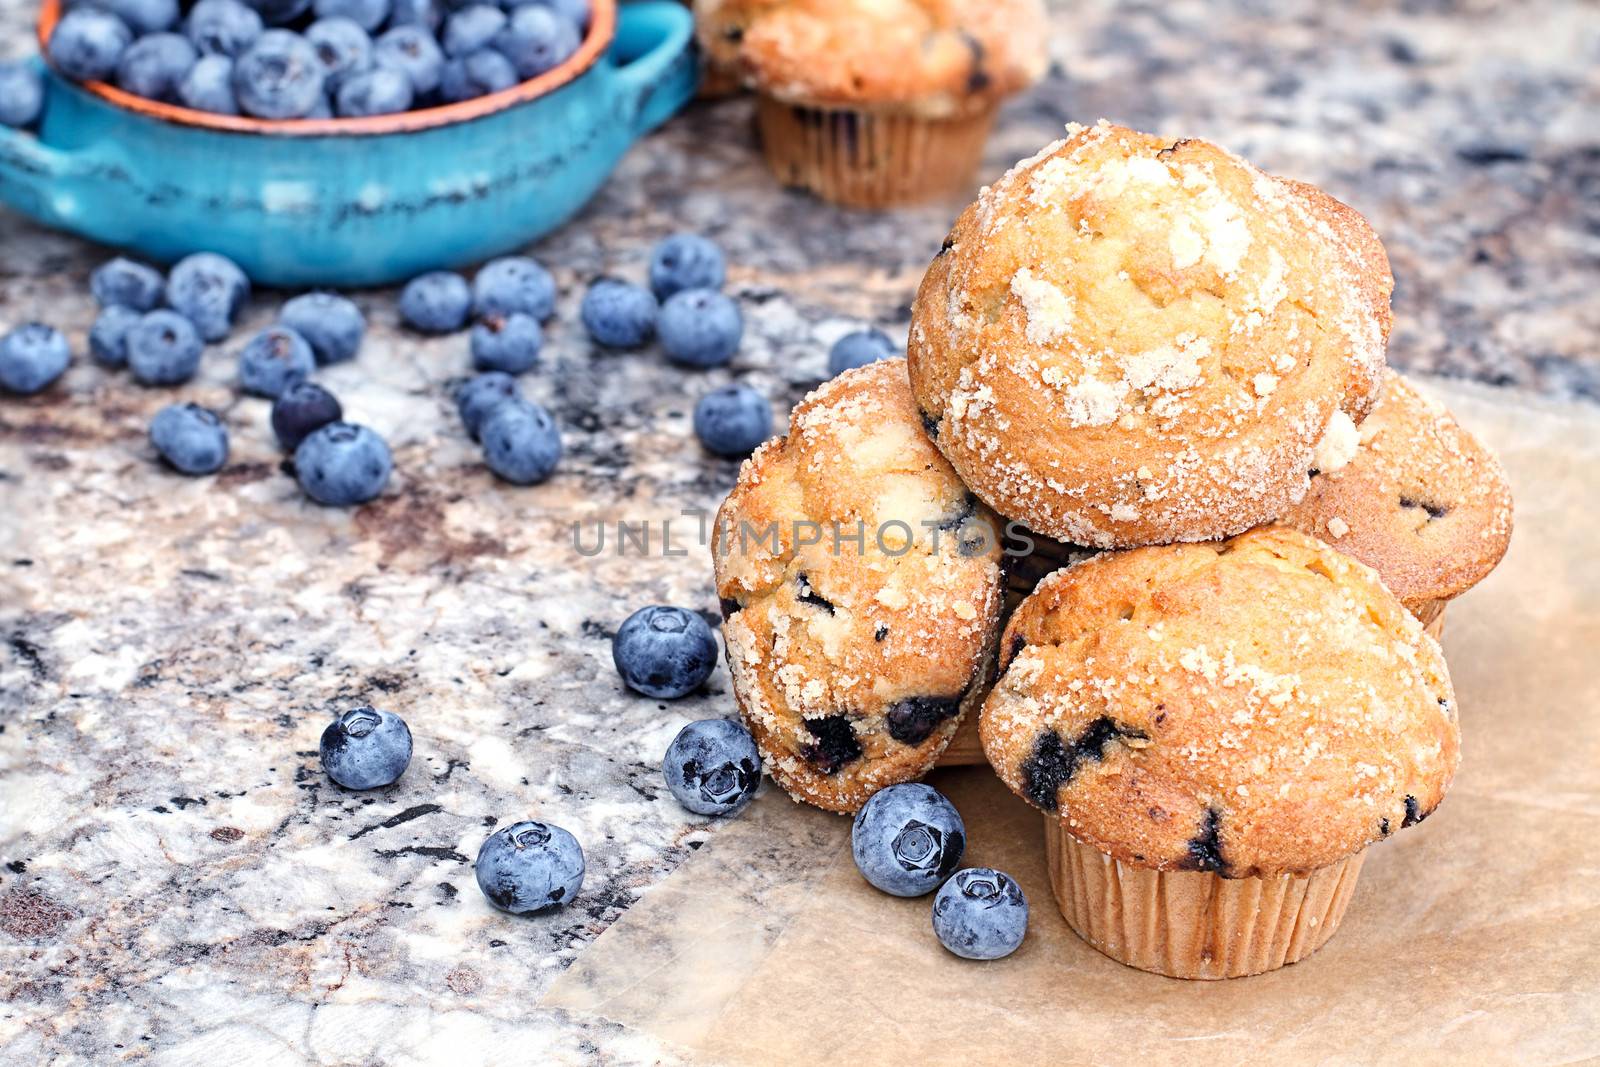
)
(1132, 341)
(1253, 707)
(935, 57)
(875, 642)
(1419, 499)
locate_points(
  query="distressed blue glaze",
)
(352, 210)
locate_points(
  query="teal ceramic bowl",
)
(351, 202)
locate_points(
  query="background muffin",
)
(1128, 341)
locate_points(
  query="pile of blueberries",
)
(294, 59)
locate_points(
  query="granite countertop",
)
(180, 883)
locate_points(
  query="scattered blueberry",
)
(732, 420)
(514, 283)
(190, 438)
(520, 442)
(144, 16)
(331, 324)
(163, 348)
(537, 39)
(368, 14)
(481, 395)
(209, 86)
(127, 283)
(21, 94)
(342, 464)
(278, 77)
(685, 261)
(858, 349)
(437, 302)
(664, 652)
(87, 43)
(713, 767)
(366, 748)
(300, 409)
(471, 28)
(274, 359)
(700, 328)
(617, 314)
(208, 290)
(907, 838)
(508, 343)
(530, 866)
(413, 50)
(980, 914)
(222, 27)
(280, 12)
(476, 75)
(344, 50)
(31, 357)
(108, 337)
(383, 90)
(154, 66)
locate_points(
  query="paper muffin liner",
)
(1194, 924)
(1431, 614)
(871, 159)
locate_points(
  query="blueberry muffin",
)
(874, 103)
(861, 588)
(1215, 734)
(1414, 496)
(1132, 341)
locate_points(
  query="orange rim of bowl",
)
(602, 28)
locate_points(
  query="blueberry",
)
(274, 359)
(143, 16)
(368, 14)
(163, 348)
(576, 11)
(108, 337)
(278, 77)
(31, 357)
(343, 48)
(208, 290)
(87, 43)
(713, 767)
(331, 324)
(907, 839)
(127, 283)
(530, 866)
(209, 86)
(342, 464)
(537, 39)
(481, 395)
(514, 283)
(21, 94)
(301, 408)
(858, 349)
(617, 314)
(280, 12)
(476, 75)
(664, 652)
(190, 438)
(700, 328)
(436, 302)
(423, 13)
(471, 28)
(413, 50)
(685, 261)
(520, 442)
(732, 420)
(366, 748)
(383, 90)
(508, 343)
(154, 66)
(980, 914)
(222, 27)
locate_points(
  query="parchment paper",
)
(1473, 938)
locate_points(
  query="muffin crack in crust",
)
(1175, 329)
(861, 587)
(1253, 707)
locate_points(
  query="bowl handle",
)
(35, 178)
(656, 69)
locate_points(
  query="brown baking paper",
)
(1472, 938)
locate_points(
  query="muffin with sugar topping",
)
(1131, 341)
(1215, 734)
(861, 588)
(876, 102)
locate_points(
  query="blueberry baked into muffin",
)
(861, 587)
(1131, 341)
(1215, 734)
(876, 102)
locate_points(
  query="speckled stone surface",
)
(179, 883)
